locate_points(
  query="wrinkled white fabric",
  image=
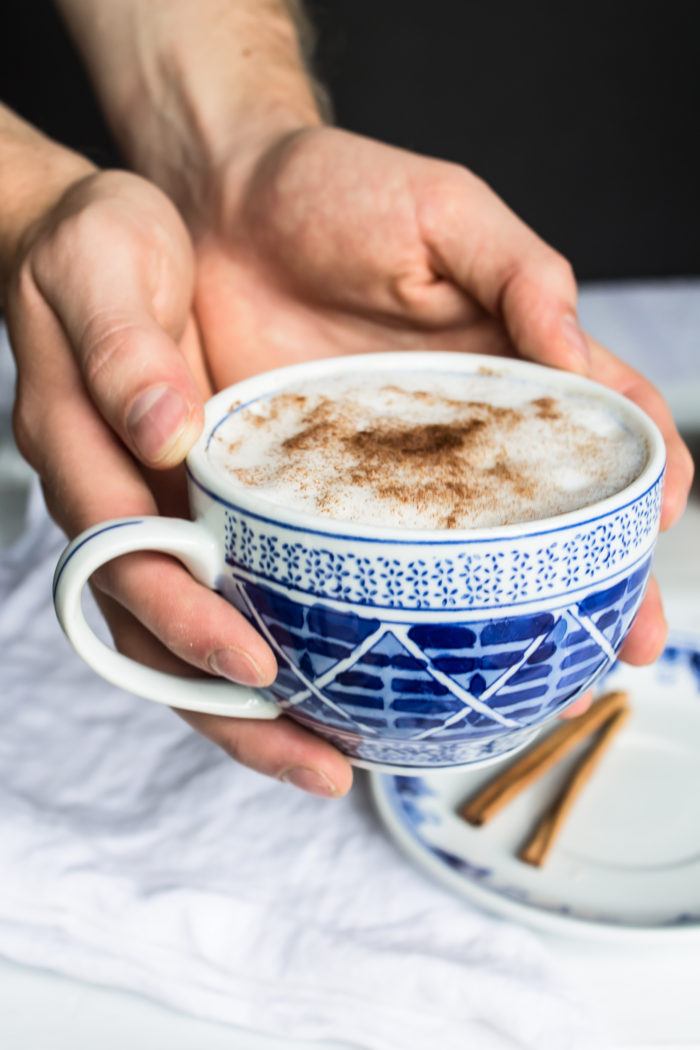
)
(134, 854)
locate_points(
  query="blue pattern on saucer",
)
(416, 807)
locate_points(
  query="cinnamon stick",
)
(536, 849)
(511, 781)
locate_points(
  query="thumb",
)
(484, 248)
(123, 311)
(141, 385)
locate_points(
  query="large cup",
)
(410, 650)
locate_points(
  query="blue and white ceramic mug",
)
(410, 650)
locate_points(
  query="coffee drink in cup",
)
(428, 451)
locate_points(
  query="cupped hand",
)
(337, 244)
(111, 380)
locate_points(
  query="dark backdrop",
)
(583, 117)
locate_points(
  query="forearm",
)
(188, 87)
(35, 173)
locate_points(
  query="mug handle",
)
(198, 551)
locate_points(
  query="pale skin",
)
(253, 236)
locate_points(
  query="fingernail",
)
(574, 335)
(237, 666)
(311, 780)
(155, 421)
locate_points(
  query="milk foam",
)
(428, 451)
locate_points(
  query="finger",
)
(477, 241)
(647, 637)
(578, 707)
(87, 474)
(196, 624)
(280, 749)
(190, 621)
(122, 311)
(89, 477)
(608, 369)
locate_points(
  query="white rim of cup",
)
(267, 384)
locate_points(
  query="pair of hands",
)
(124, 318)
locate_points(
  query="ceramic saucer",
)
(627, 863)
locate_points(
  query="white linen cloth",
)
(134, 854)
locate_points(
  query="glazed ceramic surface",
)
(626, 870)
(410, 650)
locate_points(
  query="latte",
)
(426, 451)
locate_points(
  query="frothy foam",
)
(425, 451)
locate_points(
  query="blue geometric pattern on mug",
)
(473, 680)
(469, 575)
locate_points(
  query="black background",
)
(584, 118)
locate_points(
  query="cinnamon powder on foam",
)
(421, 458)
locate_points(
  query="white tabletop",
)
(646, 997)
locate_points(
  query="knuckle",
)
(29, 423)
(73, 236)
(443, 189)
(22, 283)
(22, 428)
(525, 278)
(104, 340)
(466, 180)
(89, 221)
(561, 268)
(23, 295)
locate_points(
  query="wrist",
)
(196, 142)
(35, 174)
(192, 89)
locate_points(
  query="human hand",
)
(98, 306)
(338, 244)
